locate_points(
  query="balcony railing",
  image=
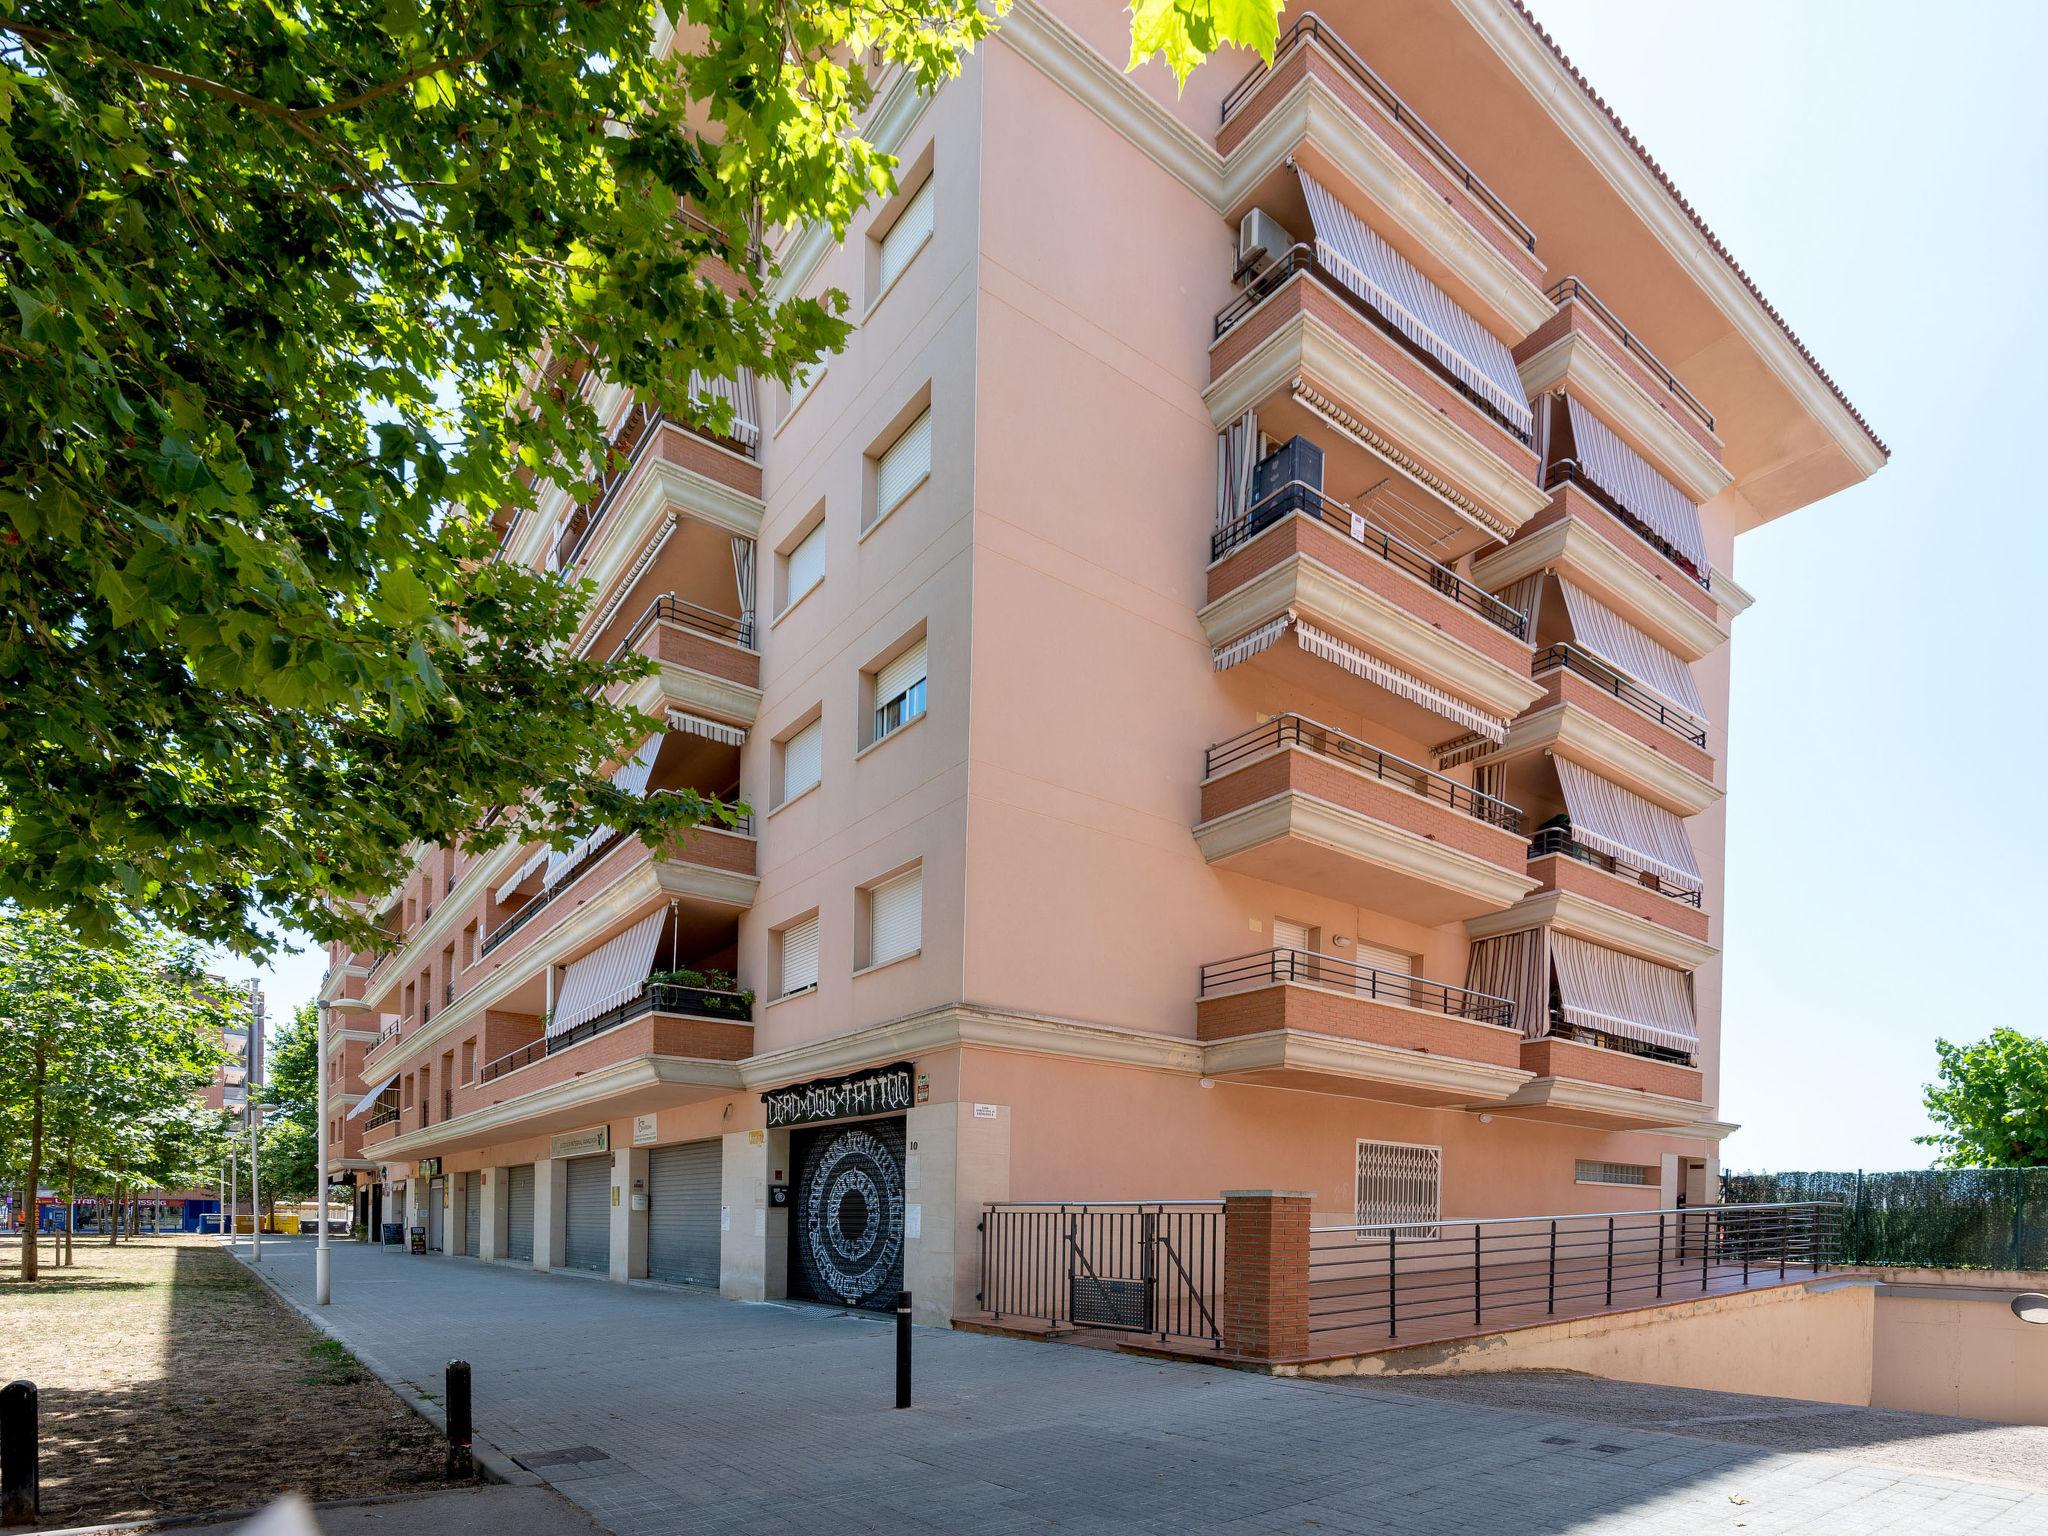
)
(1296, 496)
(1604, 677)
(1300, 966)
(1302, 259)
(706, 621)
(379, 1118)
(1309, 25)
(1562, 1028)
(1567, 472)
(1299, 731)
(1144, 1267)
(1560, 840)
(1572, 290)
(662, 997)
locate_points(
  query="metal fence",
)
(1440, 1277)
(1136, 1267)
(1971, 1218)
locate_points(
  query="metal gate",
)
(1141, 1267)
(437, 1195)
(682, 1213)
(472, 1214)
(519, 1213)
(587, 1234)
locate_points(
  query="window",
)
(469, 945)
(1587, 1172)
(899, 690)
(803, 565)
(798, 944)
(1400, 1183)
(903, 466)
(1288, 934)
(806, 379)
(469, 1060)
(802, 760)
(895, 917)
(904, 238)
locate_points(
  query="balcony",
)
(1287, 1018)
(1580, 679)
(1319, 89)
(706, 661)
(1559, 862)
(1584, 1077)
(699, 1003)
(1299, 804)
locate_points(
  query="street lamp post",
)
(322, 1276)
(234, 1199)
(255, 1198)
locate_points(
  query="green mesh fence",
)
(1963, 1218)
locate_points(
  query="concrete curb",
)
(493, 1464)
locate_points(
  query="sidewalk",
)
(662, 1410)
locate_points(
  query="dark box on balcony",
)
(1297, 459)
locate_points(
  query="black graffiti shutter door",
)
(519, 1216)
(436, 1193)
(847, 1225)
(588, 1235)
(682, 1213)
(472, 1214)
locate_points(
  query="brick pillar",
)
(1265, 1273)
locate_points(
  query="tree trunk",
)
(30, 1258)
(70, 1205)
(114, 1213)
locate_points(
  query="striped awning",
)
(1627, 476)
(741, 395)
(1622, 995)
(533, 861)
(629, 582)
(368, 1101)
(609, 975)
(1248, 645)
(1390, 677)
(1597, 628)
(1415, 306)
(1626, 826)
(697, 725)
(631, 779)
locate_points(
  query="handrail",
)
(1525, 1221)
(1292, 730)
(1281, 966)
(676, 610)
(1559, 840)
(1301, 258)
(1562, 1028)
(1569, 289)
(1567, 471)
(1298, 496)
(1590, 667)
(1310, 25)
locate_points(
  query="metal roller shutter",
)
(682, 1213)
(472, 1214)
(437, 1233)
(587, 1236)
(519, 1213)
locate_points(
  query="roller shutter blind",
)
(472, 1214)
(519, 1213)
(437, 1216)
(904, 463)
(800, 956)
(905, 237)
(1288, 934)
(899, 679)
(682, 1213)
(587, 1235)
(896, 917)
(803, 759)
(804, 566)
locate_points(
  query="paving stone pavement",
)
(714, 1415)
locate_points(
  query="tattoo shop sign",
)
(878, 1091)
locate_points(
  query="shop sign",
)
(643, 1130)
(430, 1167)
(581, 1143)
(878, 1091)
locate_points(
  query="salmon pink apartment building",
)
(1229, 674)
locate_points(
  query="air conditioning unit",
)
(1261, 242)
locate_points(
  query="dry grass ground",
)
(173, 1382)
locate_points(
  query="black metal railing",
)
(1309, 25)
(1298, 731)
(1302, 967)
(641, 427)
(379, 1118)
(1302, 259)
(1572, 289)
(1331, 513)
(1560, 840)
(1445, 1276)
(1567, 472)
(1563, 1028)
(661, 997)
(1597, 672)
(706, 621)
(1134, 1266)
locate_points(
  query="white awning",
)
(1394, 680)
(629, 582)
(1599, 629)
(369, 1100)
(631, 779)
(533, 861)
(697, 725)
(1627, 827)
(741, 395)
(1416, 307)
(1248, 645)
(609, 975)
(1627, 476)
(1622, 995)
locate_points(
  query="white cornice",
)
(662, 487)
(1597, 138)
(1305, 344)
(1579, 364)
(1332, 1055)
(578, 1093)
(452, 905)
(1292, 814)
(1600, 1102)
(1576, 916)
(1571, 548)
(1387, 629)
(1613, 754)
(1736, 599)
(694, 692)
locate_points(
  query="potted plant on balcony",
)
(716, 992)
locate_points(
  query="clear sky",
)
(1883, 176)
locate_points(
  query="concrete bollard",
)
(461, 1464)
(21, 1495)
